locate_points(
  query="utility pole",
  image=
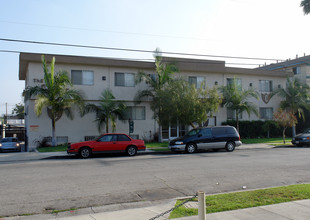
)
(6, 113)
(6, 110)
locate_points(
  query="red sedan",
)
(107, 143)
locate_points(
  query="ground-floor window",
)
(134, 113)
(231, 114)
(266, 113)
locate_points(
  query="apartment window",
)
(82, 77)
(125, 79)
(265, 86)
(231, 114)
(230, 81)
(134, 113)
(296, 70)
(198, 81)
(266, 113)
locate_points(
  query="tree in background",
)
(305, 4)
(107, 110)
(295, 98)
(19, 110)
(56, 94)
(184, 103)
(285, 119)
(164, 73)
(237, 99)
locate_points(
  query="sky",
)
(270, 29)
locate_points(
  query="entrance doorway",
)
(173, 131)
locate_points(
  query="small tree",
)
(285, 119)
(266, 127)
(107, 110)
(19, 110)
(186, 104)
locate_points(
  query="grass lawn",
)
(247, 199)
(155, 146)
(271, 141)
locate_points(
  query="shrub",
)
(257, 129)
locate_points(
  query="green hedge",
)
(258, 129)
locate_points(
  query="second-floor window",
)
(296, 70)
(82, 77)
(125, 79)
(238, 81)
(198, 81)
(265, 85)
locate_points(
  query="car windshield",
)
(192, 132)
(8, 140)
(307, 130)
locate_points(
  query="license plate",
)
(297, 142)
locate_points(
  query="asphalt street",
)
(62, 182)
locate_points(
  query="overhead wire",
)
(150, 60)
(132, 50)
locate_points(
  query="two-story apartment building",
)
(92, 75)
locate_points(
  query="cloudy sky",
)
(270, 29)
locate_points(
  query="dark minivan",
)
(203, 138)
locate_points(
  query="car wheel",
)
(191, 148)
(131, 151)
(85, 152)
(230, 146)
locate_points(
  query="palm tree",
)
(295, 97)
(156, 83)
(305, 4)
(107, 109)
(235, 98)
(56, 94)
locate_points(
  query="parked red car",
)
(107, 143)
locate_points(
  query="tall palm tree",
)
(295, 97)
(237, 99)
(156, 83)
(56, 94)
(305, 4)
(108, 109)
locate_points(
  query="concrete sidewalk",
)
(297, 210)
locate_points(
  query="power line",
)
(151, 60)
(132, 50)
(106, 31)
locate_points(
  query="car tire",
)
(131, 150)
(230, 146)
(85, 152)
(191, 148)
